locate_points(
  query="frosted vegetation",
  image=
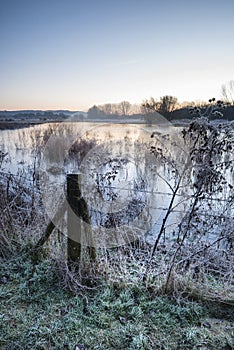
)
(165, 194)
(177, 183)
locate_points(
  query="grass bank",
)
(37, 313)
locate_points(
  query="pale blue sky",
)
(71, 54)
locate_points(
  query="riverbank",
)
(12, 125)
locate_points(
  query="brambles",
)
(209, 192)
(212, 110)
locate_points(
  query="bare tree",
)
(168, 104)
(124, 107)
(106, 108)
(149, 106)
(164, 106)
(227, 92)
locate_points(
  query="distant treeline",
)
(146, 112)
(168, 106)
(183, 113)
(97, 113)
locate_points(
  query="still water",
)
(126, 187)
(123, 183)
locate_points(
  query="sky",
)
(72, 54)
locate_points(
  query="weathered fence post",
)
(73, 224)
(77, 220)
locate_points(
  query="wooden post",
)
(73, 222)
(77, 213)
